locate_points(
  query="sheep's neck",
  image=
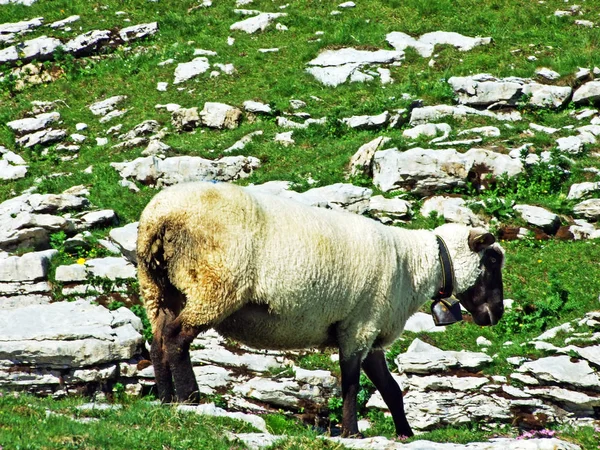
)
(418, 251)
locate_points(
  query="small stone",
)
(105, 106)
(483, 342)
(570, 144)
(256, 107)
(548, 74)
(297, 104)
(186, 71)
(285, 138)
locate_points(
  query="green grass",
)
(552, 282)
(34, 423)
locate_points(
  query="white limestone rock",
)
(29, 267)
(257, 23)
(125, 239)
(21, 27)
(547, 96)
(389, 209)
(453, 209)
(333, 75)
(425, 171)
(257, 107)
(111, 267)
(220, 115)
(570, 144)
(571, 399)
(547, 73)
(284, 138)
(422, 358)
(86, 43)
(588, 93)
(210, 378)
(543, 129)
(103, 107)
(32, 124)
(315, 377)
(278, 393)
(43, 137)
(367, 122)
(19, 288)
(428, 130)
(425, 45)
(339, 196)
(139, 31)
(349, 55)
(561, 369)
(64, 22)
(287, 123)
(488, 131)
(71, 273)
(68, 335)
(155, 147)
(484, 90)
(435, 113)
(220, 356)
(12, 166)
(245, 140)
(334, 67)
(191, 69)
(588, 209)
(421, 170)
(360, 163)
(185, 119)
(539, 217)
(40, 49)
(179, 169)
(580, 190)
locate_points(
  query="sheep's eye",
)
(493, 260)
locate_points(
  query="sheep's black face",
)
(485, 299)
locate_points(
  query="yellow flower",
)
(81, 261)
(539, 260)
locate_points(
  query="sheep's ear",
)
(478, 241)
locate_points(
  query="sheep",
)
(273, 273)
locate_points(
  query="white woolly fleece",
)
(274, 273)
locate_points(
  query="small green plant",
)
(334, 404)
(114, 305)
(140, 311)
(500, 208)
(57, 240)
(118, 392)
(536, 316)
(281, 372)
(365, 391)
(318, 361)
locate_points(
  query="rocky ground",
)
(59, 348)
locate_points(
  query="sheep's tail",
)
(153, 272)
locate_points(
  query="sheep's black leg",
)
(178, 340)
(350, 368)
(162, 372)
(377, 370)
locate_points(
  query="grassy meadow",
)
(551, 281)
